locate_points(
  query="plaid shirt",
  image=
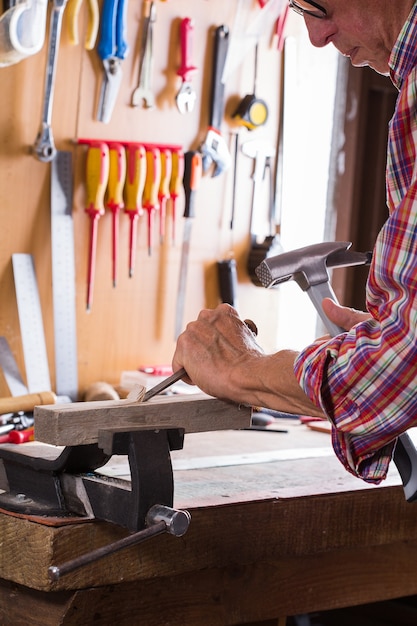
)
(365, 380)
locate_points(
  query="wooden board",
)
(79, 423)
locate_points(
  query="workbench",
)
(278, 528)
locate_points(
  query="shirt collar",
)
(404, 53)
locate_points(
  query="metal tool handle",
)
(221, 45)
(405, 454)
(160, 519)
(54, 37)
(44, 147)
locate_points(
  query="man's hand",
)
(343, 316)
(222, 357)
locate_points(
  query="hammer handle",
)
(26, 402)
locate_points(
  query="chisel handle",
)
(26, 402)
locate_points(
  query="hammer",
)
(309, 266)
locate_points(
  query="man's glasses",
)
(308, 7)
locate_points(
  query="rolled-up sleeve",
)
(365, 380)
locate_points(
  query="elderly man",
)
(365, 379)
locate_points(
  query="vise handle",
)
(160, 519)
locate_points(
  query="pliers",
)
(73, 10)
(112, 49)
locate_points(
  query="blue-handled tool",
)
(112, 49)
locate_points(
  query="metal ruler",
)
(63, 276)
(31, 324)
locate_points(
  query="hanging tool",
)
(186, 96)
(150, 192)
(31, 323)
(134, 185)
(227, 277)
(214, 149)
(252, 111)
(175, 185)
(143, 92)
(44, 147)
(114, 202)
(63, 276)
(191, 182)
(163, 193)
(93, 22)
(97, 175)
(263, 238)
(112, 50)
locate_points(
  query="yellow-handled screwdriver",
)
(150, 192)
(117, 177)
(134, 186)
(97, 175)
(175, 185)
(163, 193)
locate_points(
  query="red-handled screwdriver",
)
(97, 175)
(19, 436)
(150, 192)
(117, 176)
(163, 193)
(134, 185)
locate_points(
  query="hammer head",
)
(215, 150)
(308, 266)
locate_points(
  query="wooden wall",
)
(131, 324)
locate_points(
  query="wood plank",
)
(78, 423)
(227, 595)
(263, 531)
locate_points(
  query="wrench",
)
(44, 147)
(143, 92)
(214, 149)
(186, 96)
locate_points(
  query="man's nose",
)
(320, 32)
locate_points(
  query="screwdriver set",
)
(129, 94)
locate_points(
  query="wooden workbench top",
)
(272, 497)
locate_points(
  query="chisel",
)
(191, 181)
(164, 384)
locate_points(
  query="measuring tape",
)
(31, 324)
(63, 276)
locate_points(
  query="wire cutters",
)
(112, 49)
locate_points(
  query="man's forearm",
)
(271, 383)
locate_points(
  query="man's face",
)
(363, 30)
